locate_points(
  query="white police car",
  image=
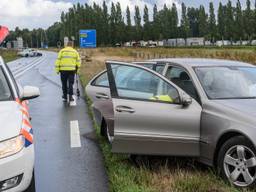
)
(16, 136)
(29, 53)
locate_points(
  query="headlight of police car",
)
(11, 146)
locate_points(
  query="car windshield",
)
(228, 82)
(5, 93)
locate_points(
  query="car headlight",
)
(11, 146)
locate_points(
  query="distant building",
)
(127, 44)
(223, 43)
(15, 44)
(175, 42)
(253, 42)
(152, 43)
(237, 43)
(170, 42)
(143, 43)
(198, 41)
(245, 42)
(208, 43)
(135, 44)
(160, 43)
(19, 43)
(8, 45)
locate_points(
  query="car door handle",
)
(102, 96)
(121, 109)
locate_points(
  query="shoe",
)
(64, 98)
(71, 99)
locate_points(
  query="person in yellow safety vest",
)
(68, 64)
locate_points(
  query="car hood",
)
(245, 106)
(10, 120)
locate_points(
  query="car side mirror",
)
(29, 92)
(186, 100)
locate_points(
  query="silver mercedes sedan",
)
(203, 108)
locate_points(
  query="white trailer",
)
(195, 41)
(223, 43)
(160, 43)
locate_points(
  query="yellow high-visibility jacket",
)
(165, 98)
(68, 60)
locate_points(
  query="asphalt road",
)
(67, 159)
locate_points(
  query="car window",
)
(136, 83)
(228, 82)
(181, 78)
(150, 66)
(5, 92)
(101, 80)
(13, 79)
(160, 68)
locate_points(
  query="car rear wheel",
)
(237, 162)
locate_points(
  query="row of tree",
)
(229, 22)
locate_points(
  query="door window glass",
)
(5, 93)
(136, 83)
(102, 80)
(181, 78)
(148, 65)
(160, 69)
(13, 79)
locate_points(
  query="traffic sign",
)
(87, 38)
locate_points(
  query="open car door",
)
(153, 65)
(149, 64)
(150, 115)
(4, 31)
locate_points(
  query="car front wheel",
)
(237, 162)
(107, 134)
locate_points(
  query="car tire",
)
(32, 186)
(237, 162)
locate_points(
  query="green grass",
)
(159, 174)
(8, 55)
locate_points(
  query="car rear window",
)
(5, 92)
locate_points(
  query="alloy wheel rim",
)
(240, 165)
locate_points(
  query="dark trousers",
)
(67, 80)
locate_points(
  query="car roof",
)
(203, 62)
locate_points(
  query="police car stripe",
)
(26, 129)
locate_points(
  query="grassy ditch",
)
(156, 174)
(8, 55)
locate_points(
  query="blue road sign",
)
(87, 38)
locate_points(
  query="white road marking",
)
(75, 140)
(21, 70)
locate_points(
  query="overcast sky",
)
(43, 13)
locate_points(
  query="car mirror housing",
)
(186, 100)
(30, 92)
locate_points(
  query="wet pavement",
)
(66, 161)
